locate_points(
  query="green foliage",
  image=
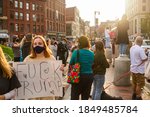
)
(8, 52)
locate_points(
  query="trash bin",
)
(122, 71)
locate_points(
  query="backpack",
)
(112, 35)
(62, 47)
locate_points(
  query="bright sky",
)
(109, 9)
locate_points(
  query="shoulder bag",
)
(74, 71)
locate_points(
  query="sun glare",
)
(109, 9)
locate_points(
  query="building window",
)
(53, 15)
(27, 17)
(34, 28)
(143, 8)
(11, 15)
(11, 27)
(50, 15)
(42, 9)
(27, 6)
(143, 23)
(28, 28)
(47, 25)
(21, 5)
(42, 18)
(16, 15)
(135, 25)
(37, 18)
(16, 4)
(38, 28)
(22, 27)
(33, 7)
(37, 7)
(21, 16)
(42, 28)
(50, 27)
(11, 3)
(56, 15)
(34, 17)
(16, 27)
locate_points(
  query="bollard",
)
(122, 67)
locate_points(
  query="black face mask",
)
(39, 49)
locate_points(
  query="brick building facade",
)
(33, 16)
(56, 18)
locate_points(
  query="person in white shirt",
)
(107, 38)
(138, 58)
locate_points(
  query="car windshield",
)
(146, 42)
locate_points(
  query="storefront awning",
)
(4, 35)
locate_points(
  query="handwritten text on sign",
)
(39, 79)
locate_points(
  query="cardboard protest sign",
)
(39, 79)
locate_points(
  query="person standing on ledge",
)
(122, 39)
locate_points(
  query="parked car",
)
(146, 44)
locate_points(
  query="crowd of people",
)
(93, 62)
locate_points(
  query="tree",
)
(8, 52)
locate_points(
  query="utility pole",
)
(96, 22)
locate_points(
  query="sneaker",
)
(106, 96)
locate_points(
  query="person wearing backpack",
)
(62, 51)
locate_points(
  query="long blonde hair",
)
(47, 51)
(4, 65)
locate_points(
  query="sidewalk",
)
(123, 91)
(119, 91)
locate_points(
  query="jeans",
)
(107, 42)
(98, 86)
(122, 48)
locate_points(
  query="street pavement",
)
(118, 91)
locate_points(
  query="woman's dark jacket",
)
(100, 63)
(122, 28)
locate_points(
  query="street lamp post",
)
(96, 22)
